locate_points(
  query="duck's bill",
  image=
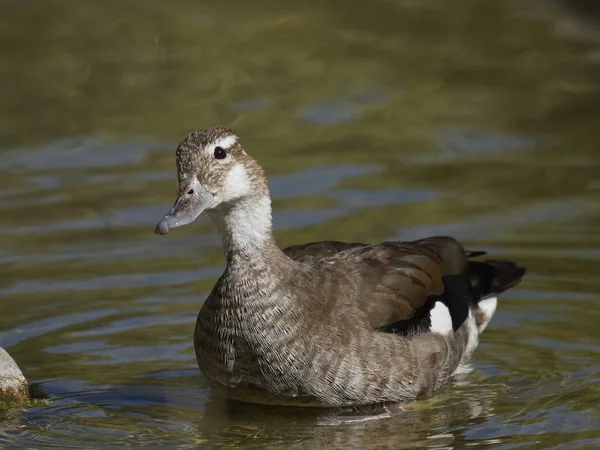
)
(192, 200)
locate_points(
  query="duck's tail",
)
(488, 279)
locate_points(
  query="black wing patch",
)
(456, 298)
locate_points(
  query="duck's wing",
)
(394, 283)
(397, 283)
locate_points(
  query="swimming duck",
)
(324, 323)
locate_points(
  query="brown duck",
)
(325, 323)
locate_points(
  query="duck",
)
(324, 324)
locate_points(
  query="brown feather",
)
(397, 278)
(327, 323)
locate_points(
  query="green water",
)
(374, 120)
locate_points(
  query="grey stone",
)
(13, 384)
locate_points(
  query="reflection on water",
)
(377, 120)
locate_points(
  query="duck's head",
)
(214, 172)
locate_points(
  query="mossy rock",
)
(13, 385)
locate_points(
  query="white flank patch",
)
(472, 341)
(441, 322)
(488, 308)
(473, 338)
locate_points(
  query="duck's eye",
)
(220, 153)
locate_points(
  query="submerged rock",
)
(13, 385)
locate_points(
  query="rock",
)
(13, 384)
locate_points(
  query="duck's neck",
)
(246, 229)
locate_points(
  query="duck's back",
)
(395, 283)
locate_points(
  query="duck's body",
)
(324, 323)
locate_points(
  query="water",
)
(374, 120)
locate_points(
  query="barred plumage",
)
(324, 323)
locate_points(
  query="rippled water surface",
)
(374, 120)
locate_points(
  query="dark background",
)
(374, 120)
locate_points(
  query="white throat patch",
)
(247, 222)
(237, 183)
